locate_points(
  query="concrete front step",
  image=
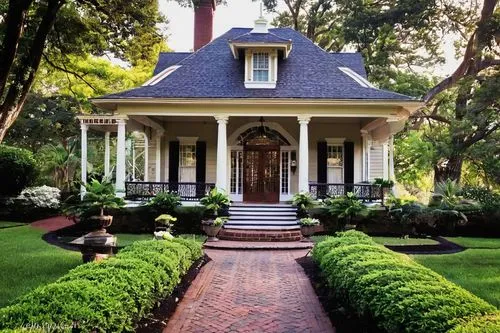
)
(263, 217)
(260, 235)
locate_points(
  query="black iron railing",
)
(365, 192)
(146, 190)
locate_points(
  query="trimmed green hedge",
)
(484, 324)
(111, 295)
(401, 295)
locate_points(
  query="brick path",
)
(52, 223)
(250, 291)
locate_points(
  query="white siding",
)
(376, 162)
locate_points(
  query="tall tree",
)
(54, 29)
(464, 107)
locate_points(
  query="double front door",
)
(261, 173)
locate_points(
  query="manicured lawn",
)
(476, 243)
(477, 270)
(8, 224)
(127, 239)
(28, 261)
(404, 241)
(390, 240)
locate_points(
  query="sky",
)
(243, 13)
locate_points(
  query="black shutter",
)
(201, 166)
(348, 162)
(322, 155)
(173, 162)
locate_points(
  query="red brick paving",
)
(250, 291)
(242, 245)
(52, 223)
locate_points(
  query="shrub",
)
(188, 220)
(399, 294)
(488, 199)
(346, 207)
(165, 202)
(40, 197)
(303, 201)
(484, 324)
(107, 296)
(17, 169)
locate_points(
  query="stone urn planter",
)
(308, 227)
(212, 228)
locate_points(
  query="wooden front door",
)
(261, 176)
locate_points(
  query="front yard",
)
(28, 261)
(477, 269)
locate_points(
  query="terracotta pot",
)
(211, 231)
(307, 231)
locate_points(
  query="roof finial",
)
(261, 22)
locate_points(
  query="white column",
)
(158, 156)
(107, 155)
(391, 158)
(146, 158)
(120, 159)
(83, 157)
(385, 160)
(221, 174)
(304, 154)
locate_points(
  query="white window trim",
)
(272, 70)
(337, 142)
(356, 77)
(160, 76)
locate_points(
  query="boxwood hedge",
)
(107, 296)
(399, 294)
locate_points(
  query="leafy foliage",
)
(100, 195)
(111, 295)
(401, 295)
(165, 202)
(18, 169)
(307, 221)
(448, 191)
(489, 199)
(484, 324)
(215, 202)
(346, 207)
(303, 201)
(60, 163)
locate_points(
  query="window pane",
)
(261, 67)
(187, 163)
(335, 175)
(260, 75)
(335, 164)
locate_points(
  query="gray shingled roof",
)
(167, 59)
(308, 73)
(260, 38)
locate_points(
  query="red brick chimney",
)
(203, 23)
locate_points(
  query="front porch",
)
(253, 159)
(140, 190)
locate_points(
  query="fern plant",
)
(215, 201)
(346, 207)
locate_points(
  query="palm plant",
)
(448, 193)
(60, 162)
(101, 196)
(303, 201)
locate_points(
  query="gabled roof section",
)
(167, 59)
(260, 38)
(308, 73)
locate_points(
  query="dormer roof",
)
(308, 73)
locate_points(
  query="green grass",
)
(477, 270)
(8, 224)
(127, 239)
(476, 243)
(390, 240)
(404, 241)
(28, 261)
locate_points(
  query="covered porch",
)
(253, 158)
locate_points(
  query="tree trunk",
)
(449, 168)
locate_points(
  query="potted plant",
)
(164, 223)
(308, 227)
(212, 227)
(216, 203)
(303, 201)
(101, 196)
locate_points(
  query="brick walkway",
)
(52, 223)
(250, 291)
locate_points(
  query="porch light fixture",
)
(293, 162)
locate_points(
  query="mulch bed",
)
(444, 247)
(344, 320)
(157, 321)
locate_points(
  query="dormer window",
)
(260, 67)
